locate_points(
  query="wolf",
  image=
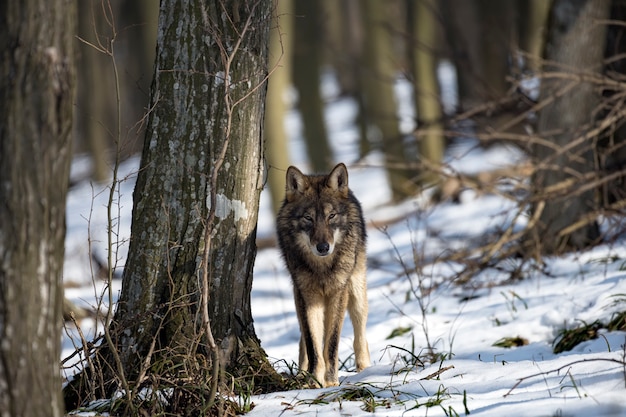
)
(322, 237)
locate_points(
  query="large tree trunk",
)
(36, 99)
(564, 168)
(186, 132)
(207, 97)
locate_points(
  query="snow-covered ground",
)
(461, 323)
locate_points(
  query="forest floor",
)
(446, 338)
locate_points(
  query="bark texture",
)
(36, 99)
(187, 129)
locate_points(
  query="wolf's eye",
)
(331, 216)
(308, 218)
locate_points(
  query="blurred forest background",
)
(545, 76)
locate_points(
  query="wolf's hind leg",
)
(357, 308)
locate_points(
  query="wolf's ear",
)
(296, 181)
(338, 178)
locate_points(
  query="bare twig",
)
(560, 368)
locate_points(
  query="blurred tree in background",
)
(96, 106)
(276, 101)
(564, 160)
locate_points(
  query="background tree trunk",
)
(379, 73)
(479, 34)
(276, 106)
(207, 97)
(36, 101)
(575, 46)
(422, 16)
(532, 22)
(307, 61)
(612, 149)
(95, 107)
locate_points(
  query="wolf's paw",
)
(361, 367)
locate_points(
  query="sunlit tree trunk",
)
(422, 20)
(277, 144)
(36, 102)
(533, 22)
(575, 46)
(192, 93)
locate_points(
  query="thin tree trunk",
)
(422, 20)
(533, 22)
(36, 102)
(95, 106)
(612, 149)
(380, 103)
(307, 62)
(479, 33)
(277, 145)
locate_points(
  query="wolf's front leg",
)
(311, 318)
(334, 314)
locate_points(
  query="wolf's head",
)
(317, 208)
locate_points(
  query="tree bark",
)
(36, 101)
(207, 104)
(186, 132)
(575, 47)
(612, 149)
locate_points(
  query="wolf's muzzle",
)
(322, 248)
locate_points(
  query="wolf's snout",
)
(322, 248)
